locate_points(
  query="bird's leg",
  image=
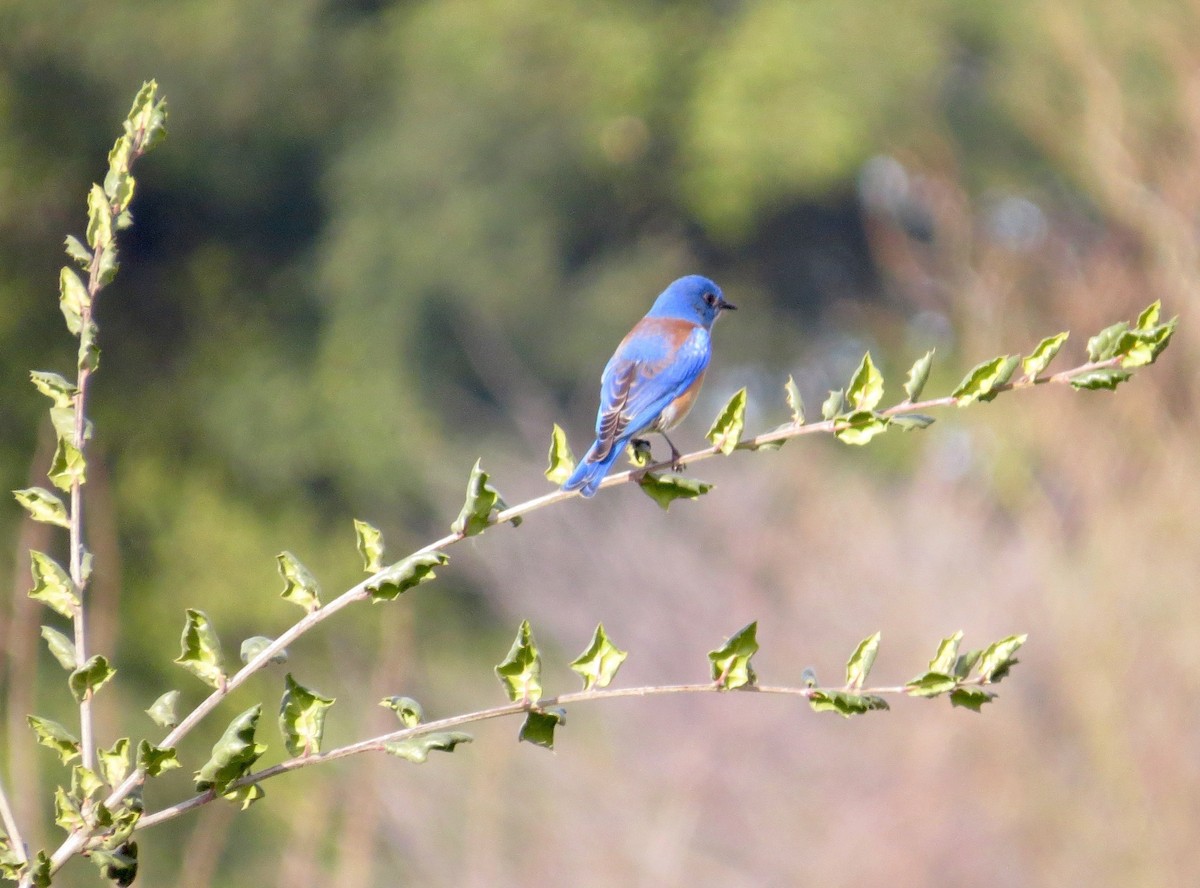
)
(676, 465)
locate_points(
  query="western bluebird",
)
(652, 380)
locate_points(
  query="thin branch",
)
(10, 826)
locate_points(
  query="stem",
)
(10, 827)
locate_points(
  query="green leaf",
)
(90, 677)
(54, 736)
(970, 698)
(931, 684)
(118, 865)
(858, 667)
(1149, 316)
(77, 251)
(404, 575)
(833, 405)
(907, 422)
(11, 864)
(539, 726)
(521, 671)
(200, 652)
(156, 760)
(866, 385)
(561, 461)
(302, 717)
(726, 429)
(599, 663)
(918, 375)
(1104, 378)
(845, 703)
(40, 871)
(42, 505)
(163, 711)
(665, 488)
(860, 427)
(245, 796)
(730, 663)
(89, 351)
(99, 227)
(67, 813)
(965, 663)
(482, 499)
(417, 749)
(84, 782)
(61, 647)
(998, 658)
(407, 709)
(1003, 376)
(233, 755)
(1039, 359)
(300, 586)
(73, 298)
(52, 586)
(67, 466)
(114, 763)
(370, 545)
(640, 452)
(1103, 345)
(58, 389)
(146, 124)
(256, 644)
(947, 654)
(791, 393)
(1141, 347)
(981, 379)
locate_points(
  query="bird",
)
(652, 380)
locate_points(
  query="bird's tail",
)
(591, 471)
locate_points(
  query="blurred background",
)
(386, 238)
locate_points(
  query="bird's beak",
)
(726, 306)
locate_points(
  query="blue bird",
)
(653, 378)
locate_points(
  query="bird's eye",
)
(710, 298)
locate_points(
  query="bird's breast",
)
(674, 412)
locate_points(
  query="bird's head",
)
(692, 298)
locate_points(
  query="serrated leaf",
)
(981, 379)
(51, 585)
(726, 429)
(156, 760)
(833, 405)
(42, 505)
(61, 647)
(245, 796)
(90, 677)
(970, 698)
(1104, 378)
(858, 667)
(302, 717)
(1039, 359)
(99, 227)
(118, 865)
(1003, 376)
(417, 749)
(521, 671)
(539, 726)
(1149, 316)
(39, 871)
(163, 711)
(114, 763)
(54, 736)
(89, 351)
(404, 575)
(482, 499)
(146, 124)
(560, 461)
(791, 393)
(1141, 347)
(300, 586)
(866, 385)
(200, 652)
(233, 755)
(407, 709)
(77, 251)
(599, 663)
(918, 375)
(730, 663)
(73, 299)
(947, 654)
(256, 644)
(57, 388)
(665, 488)
(931, 684)
(84, 782)
(859, 427)
(370, 545)
(907, 422)
(67, 813)
(67, 466)
(965, 663)
(1103, 345)
(845, 703)
(995, 661)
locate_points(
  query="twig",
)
(10, 826)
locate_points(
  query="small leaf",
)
(866, 385)
(370, 545)
(90, 677)
(931, 684)
(482, 499)
(858, 667)
(256, 644)
(907, 422)
(1003, 376)
(302, 717)
(417, 749)
(860, 427)
(39, 871)
(404, 575)
(300, 586)
(67, 813)
(54, 736)
(163, 710)
(245, 796)
(970, 698)
(1104, 378)
(52, 586)
(99, 227)
(521, 671)
(201, 650)
(58, 389)
(1141, 347)
(156, 760)
(61, 647)
(965, 663)
(1149, 316)
(77, 251)
(664, 489)
(11, 864)
(73, 299)
(845, 703)
(67, 466)
(84, 782)
(640, 452)
(539, 726)
(998, 658)
(947, 654)
(114, 763)
(119, 865)
(1103, 345)
(599, 663)
(980, 380)
(42, 505)
(730, 663)
(833, 405)
(726, 429)
(918, 375)
(794, 401)
(1039, 359)
(233, 755)
(561, 461)
(407, 709)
